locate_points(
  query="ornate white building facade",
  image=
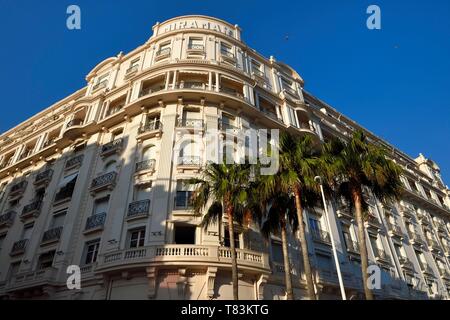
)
(94, 181)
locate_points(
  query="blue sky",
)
(394, 81)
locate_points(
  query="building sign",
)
(196, 24)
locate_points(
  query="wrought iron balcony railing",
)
(162, 53)
(104, 181)
(18, 188)
(7, 219)
(31, 209)
(145, 165)
(74, 161)
(189, 161)
(96, 221)
(74, 122)
(100, 85)
(138, 209)
(19, 247)
(150, 126)
(44, 176)
(190, 123)
(52, 235)
(321, 235)
(196, 47)
(112, 147)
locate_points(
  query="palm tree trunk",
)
(356, 195)
(234, 269)
(305, 253)
(287, 264)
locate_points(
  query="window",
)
(324, 262)
(148, 153)
(314, 224)
(184, 234)
(137, 237)
(13, 269)
(195, 44)
(134, 64)
(103, 78)
(142, 192)
(2, 240)
(183, 199)
(27, 231)
(58, 219)
(46, 260)
(39, 194)
(277, 252)
(226, 238)
(226, 49)
(110, 166)
(91, 251)
(292, 118)
(101, 205)
(66, 187)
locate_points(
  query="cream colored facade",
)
(93, 181)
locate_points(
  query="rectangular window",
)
(91, 251)
(184, 234)
(226, 238)
(195, 44)
(2, 240)
(137, 238)
(292, 118)
(183, 199)
(58, 219)
(134, 64)
(277, 252)
(103, 78)
(101, 205)
(27, 231)
(66, 187)
(46, 260)
(13, 269)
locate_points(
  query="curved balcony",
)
(194, 256)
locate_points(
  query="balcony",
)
(162, 54)
(232, 92)
(74, 162)
(43, 177)
(426, 269)
(34, 279)
(194, 85)
(422, 218)
(227, 56)
(7, 219)
(112, 147)
(258, 74)
(195, 124)
(131, 70)
(153, 128)
(74, 122)
(138, 209)
(183, 255)
(18, 189)
(189, 161)
(51, 235)
(49, 142)
(105, 181)
(31, 210)
(146, 165)
(343, 211)
(372, 222)
(195, 48)
(394, 231)
(381, 256)
(415, 239)
(352, 247)
(433, 245)
(321, 236)
(407, 212)
(19, 247)
(95, 222)
(100, 85)
(405, 263)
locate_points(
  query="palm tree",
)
(281, 213)
(298, 163)
(225, 188)
(352, 166)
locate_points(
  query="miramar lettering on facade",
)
(229, 30)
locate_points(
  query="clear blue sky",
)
(395, 82)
